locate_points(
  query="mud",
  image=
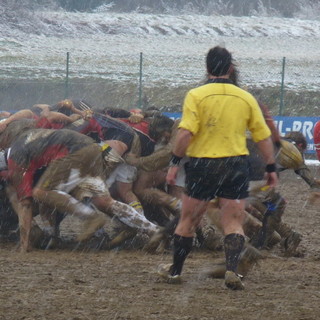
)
(122, 284)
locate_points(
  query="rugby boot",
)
(37, 236)
(162, 236)
(120, 238)
(155, 240)
(233, 281)
(291, 243)
(271, 240)
(164, 271)
(290, 238)
(249, 257)
(91, 225)
(165, 246)
(137, 242)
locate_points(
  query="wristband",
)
(271, 167)
(175, 161)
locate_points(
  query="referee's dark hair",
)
(219, 61)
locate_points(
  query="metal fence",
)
(289, 88)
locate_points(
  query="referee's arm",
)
(182, 142)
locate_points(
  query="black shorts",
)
(207, 178)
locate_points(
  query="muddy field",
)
(71, 284)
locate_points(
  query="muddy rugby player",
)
(23, 163)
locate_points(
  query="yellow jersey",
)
(218, 114)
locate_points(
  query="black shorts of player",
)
(207, 178)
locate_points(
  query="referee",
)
(212, 132)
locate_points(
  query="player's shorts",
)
(82, 169)
(122, 173)
(207, 178)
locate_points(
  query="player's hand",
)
(87, 114)
(3, 126)
(172, 175)
(272, 179)
(132, 159)
(75, 117)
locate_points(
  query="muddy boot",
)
(137, 242)
(162, 235)
(248, 258)
(98, 241)
(291, 243)
(290, 238)
(165, 246)
(233, 281)
(164, 271)
(37, 236)
(255, 209)
(120, 238)
(273, 239)
(91, 225)
(155, 240)
(158, 198)
(275, 206)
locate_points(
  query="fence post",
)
(282, 88)
(66, 93)
(140, 81)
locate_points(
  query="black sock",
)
(233, 245)
(181, 248)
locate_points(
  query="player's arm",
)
(58, 117)
(22, 114)
(181, 144)
(266, 148)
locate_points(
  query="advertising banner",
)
(302, 124)
(284, 125)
